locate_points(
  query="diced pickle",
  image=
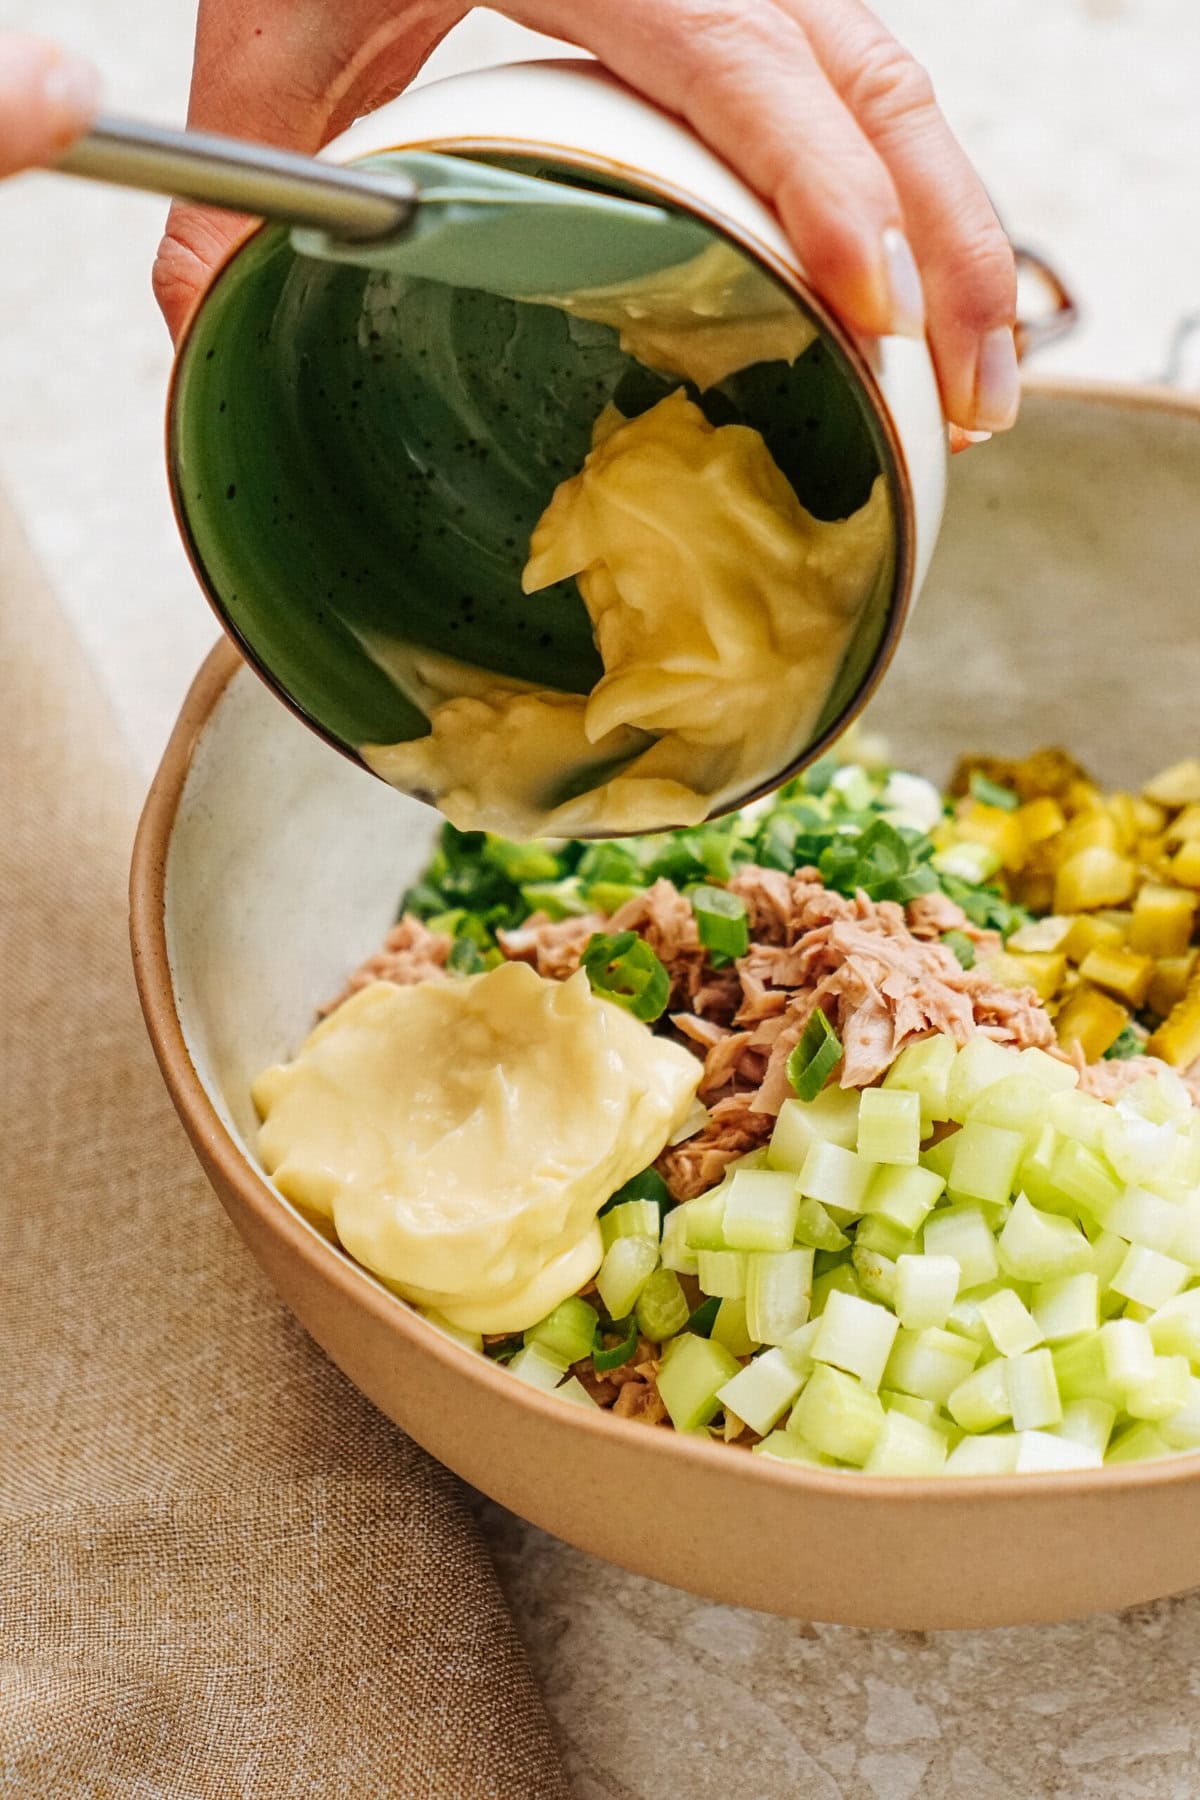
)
(995, 828)
(1040, 819)
(1171, 977)
(1177, 786)
(1092, 1020)
(1092, 878)
(1120, 972)
(1163, 918)
(1085, 934)
(1043, 971)
(1185, 864)
(1177, 1039)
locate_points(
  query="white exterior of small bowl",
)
(577, 111)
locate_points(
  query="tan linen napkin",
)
(222, 1573)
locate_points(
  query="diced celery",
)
(1175, 1327)
(723, 1273)
(815, 1228)
(924, 1069)
(1032, 1390)
(568, 1332)
(573, 1390)
(832, 1118)
(1050, 1071)
(961, 1232)
(676, 1252)
(1108, 1253)
(633, 1218)
(1015, 1103)
(979, 1063)
(1139, 1443)
(1043, 1452)
(1009, 1323)
(876, 1274)
(730, 1328)
(1035, 1173)
(798, 1347)
(1088, 1422)
(985, 1160)
(906, 1447)
(762, 1392)
(1165, 1391)
(1080, 1117)
(628, 1264)
(704, 1220)
(981, 1401)
(926, 1287)
(689, 1381)
(1182, 1430)
(889, 1126)
(995, 1454)
(929, 1363)
(1040, 1246)
(1145, 1218)
(938, 1158)
(1086, 1179)
(1149, 1277)
(878, 1233)
(973, 863)
(1067, 1307)
(924, 1410)
(836, 1177)
(1128, 1352)
(538, 1367)
(841, 1279)
(1137, 1148)
(760, 1210)
(966, 1320)
(788, 1448)
(1185, 1244)
(838, 1415)
(778, 1292)
(855, 1335)
(662, 1307)
(904, 1197)
(1081, 1370)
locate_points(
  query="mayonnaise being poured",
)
(722, 611)
(463, 1135)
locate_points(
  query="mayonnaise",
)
(463, 1135)
(704, 319)
(722, 611)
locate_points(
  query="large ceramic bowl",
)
(1060, 608)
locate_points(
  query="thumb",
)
(47, 98)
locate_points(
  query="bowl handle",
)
(1059, 313)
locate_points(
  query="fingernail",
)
(963, 440)
(997, 383)
(71, 88)
(904, 285)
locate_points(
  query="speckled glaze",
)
(265, 868)
(356, 457)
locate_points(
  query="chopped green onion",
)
(662, 1307)
(1131, 1042)
(705, 1316)
(557, 899)
(990, 793)
(721, 921)
(962, 946)
(614, 1356)
(624, 968)
(815, 1057)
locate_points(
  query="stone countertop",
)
(1081, 115)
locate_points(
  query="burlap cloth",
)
(222, 1573)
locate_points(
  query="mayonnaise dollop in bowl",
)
(589, 561)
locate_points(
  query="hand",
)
(47, 98)
(812, 101)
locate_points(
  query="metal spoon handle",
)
(355, 205)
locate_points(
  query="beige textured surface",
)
(1081, 113)
(221, 1571)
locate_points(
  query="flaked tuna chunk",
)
(698, 1163)
(929, 915)
(554, 947)
(1109, 1080)
(410, 953)
(663, 917)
